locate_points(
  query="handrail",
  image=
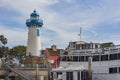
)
(23, 75)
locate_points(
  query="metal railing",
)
(20, 73)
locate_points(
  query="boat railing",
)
(97, 50)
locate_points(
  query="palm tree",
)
(3, 49)
(3, 40)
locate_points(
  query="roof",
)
(34, 14)
(52, 51)
(34, 20)
(108, 44)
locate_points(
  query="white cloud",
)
(15, 36)
(63, 25)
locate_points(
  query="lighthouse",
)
(34, 25)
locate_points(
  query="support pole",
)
(89, 68)
(37, 77)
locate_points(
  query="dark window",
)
(70, 58)
(118, 55)
(75, 58)
(119, 69)
(104, 57)
(69, 76)
(113, 56)
(81, 58)
(63, 58)
(96, 58)
(67, 58)
(51, 76)
(78, 58)
(77, 47)
(113, 70)
(78, 75)
(59, 75)
(86, 58)
(84, 75)
(37, 32)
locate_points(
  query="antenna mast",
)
(80, 34)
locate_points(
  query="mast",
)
(80, 34)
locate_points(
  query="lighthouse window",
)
(37, 32)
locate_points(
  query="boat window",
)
(75, 58)
(118, 55)
(81, 58)
(113, 70)
(113, 56)
(51, 77)
(69, 58)
(104, 57)
(78, 74)
(59, 75)
(69, 75)
(119, 69)
(84, 75)
(86, 58)
(96, 58)
(63, 58)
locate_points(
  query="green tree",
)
(3, 40)
(4, 50)
(18, 50)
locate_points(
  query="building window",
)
(69, 76)
(113, 56)
(113, 70)
(96, 58)
(104, 57)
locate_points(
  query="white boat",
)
(105, 58)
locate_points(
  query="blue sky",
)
(99, 19)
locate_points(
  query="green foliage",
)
(18, 50)
(4, 50)
(3, 40)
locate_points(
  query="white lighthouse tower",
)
(34, 40)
